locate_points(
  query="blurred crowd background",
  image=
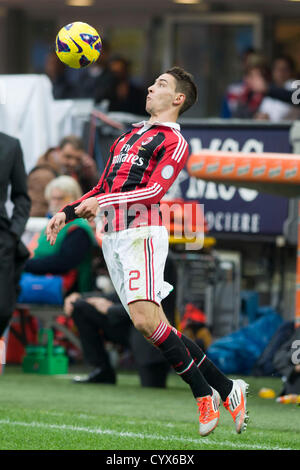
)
(243, 50)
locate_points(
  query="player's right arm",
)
(69, 210)
(55, 224)
(67, 213)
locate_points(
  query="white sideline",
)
(112, 432)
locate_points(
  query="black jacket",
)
(12, 173)
(285, 360)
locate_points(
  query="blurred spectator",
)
(125, 96)
(74, 161)
(71, 256)
(97, 80)
(62, 88)
(287, 362)
(12, 251)
(264, 365)
(255, 82)
(91, 314)
(237, 89)
(38, 178)
(67, 159)
(283, 71)
(262, 94)
(272, 107)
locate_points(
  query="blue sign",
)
(229, 209)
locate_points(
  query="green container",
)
(45, 359)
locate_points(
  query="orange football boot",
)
(236, 402)
(209, 413)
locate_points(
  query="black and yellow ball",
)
(78, 45)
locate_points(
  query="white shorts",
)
(136, 259)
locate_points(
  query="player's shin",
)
(180, 359)
(212, 374)
(174, 350)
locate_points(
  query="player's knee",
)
(141, 324)
(143, 317)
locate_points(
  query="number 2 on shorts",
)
(137, 276)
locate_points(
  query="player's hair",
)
(184, 84)
(66, 184)
(75, 141)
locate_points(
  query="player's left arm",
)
(174, 156)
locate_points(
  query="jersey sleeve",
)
(173, 160)
(69, 209)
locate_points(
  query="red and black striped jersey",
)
(142, 165)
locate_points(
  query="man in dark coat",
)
(12, 251)
(287, 363)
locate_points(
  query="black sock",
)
(216, 378)
(212, 374)
(4, 322)
(180, 359)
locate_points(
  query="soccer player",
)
(142, 165)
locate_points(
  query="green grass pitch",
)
(51, 413)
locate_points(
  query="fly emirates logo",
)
(129, 158)
(126, 156)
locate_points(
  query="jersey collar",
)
(174, 125)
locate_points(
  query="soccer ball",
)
(78, 45)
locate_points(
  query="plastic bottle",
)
(286, 399)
